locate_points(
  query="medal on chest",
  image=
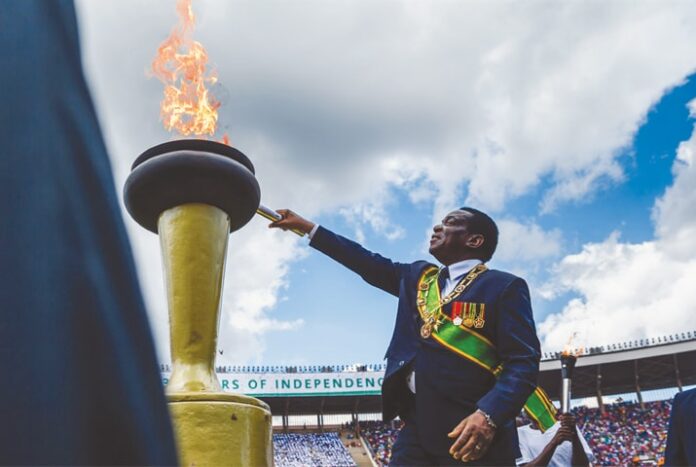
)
(429, 302)
(457, 319)
(426, 330)
(469, 314)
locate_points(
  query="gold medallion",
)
(468, 322)
(424, 286)
(426, 330)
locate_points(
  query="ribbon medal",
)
(457, 313)
(429, 303)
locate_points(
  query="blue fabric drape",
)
(79, 382)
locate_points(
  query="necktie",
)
(442, 279)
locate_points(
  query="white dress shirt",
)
(311, 233)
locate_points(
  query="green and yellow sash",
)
(473, 346)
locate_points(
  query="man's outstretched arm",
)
(376, 270)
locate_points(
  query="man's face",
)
(451, 240)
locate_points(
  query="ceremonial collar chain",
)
(432, 315)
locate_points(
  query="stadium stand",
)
(380, 438)
(626, 434)
(310, 449)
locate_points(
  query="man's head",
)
(466, 233)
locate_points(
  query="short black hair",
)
(481, 223)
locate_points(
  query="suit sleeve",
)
(376, 270)
(674, 453)
(519, 352)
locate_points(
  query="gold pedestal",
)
(212, 427)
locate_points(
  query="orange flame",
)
(569, 350)
(181, 64)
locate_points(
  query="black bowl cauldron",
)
(191, 171)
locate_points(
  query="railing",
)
(626, 345)
(292, 368)
(618, 347)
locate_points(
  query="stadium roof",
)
(668, 365)
(672, 364)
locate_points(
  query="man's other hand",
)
(292, 221)
(566, 432)
(473, 438)
(567, 420)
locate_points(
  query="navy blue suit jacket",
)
(681, 438)
(80, 379)
(449, 387)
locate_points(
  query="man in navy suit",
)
(458, 403)
(681, 448)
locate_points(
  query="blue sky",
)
(569, 122)
(346, 320)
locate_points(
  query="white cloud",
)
(339, 102)
(583, 185)
(526, 242)
(628, 291)
(258, 263)
(675, 212)
(376, 215)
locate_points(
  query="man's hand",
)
(567, 419)
(473, 438)
(566, 432)
(292, 221)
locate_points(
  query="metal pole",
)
(637, 379)
(676, 372)
(600, 402)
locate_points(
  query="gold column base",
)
(221, 429)
(212, 428)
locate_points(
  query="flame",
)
(182, 65)
(568, 349)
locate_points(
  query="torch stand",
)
(193, 193)
(567, 366)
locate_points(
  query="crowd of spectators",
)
(310, 449)
(626, 434)
(380, 438)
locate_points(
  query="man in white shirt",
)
(562, 445)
